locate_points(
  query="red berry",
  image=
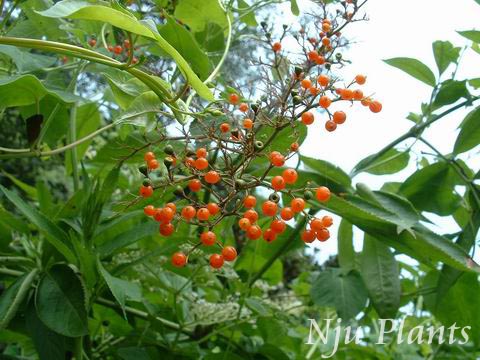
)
(316, 225)
(216, 261)
(117, 49)
(269, 235)
(202, 153)
(254, 232)
(251, 215)
(208, 238)
(308, 236)
(188, 212)
(269, 208)
(194, 185)
(290, 176)
(287, 213)
(244, 223)
(149, 210)
(213, 208)
(201, 163)
(146, 191)
(243, 107)
(203, 214)
(297, 205)
(234, 99)
(249, 201)
(327, 221)
(148, 156)
(278, 183)
(278, 226)
(229, 253)
(166, 229)
(152, 164)
(323, 194)
(212, 177)
(307, 118)
(179, 259)
(323, 234)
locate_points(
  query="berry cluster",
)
(216, 169)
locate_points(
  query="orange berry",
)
(375, 106)
(278, 183)
(323, 80)
(320, 60)
(203, 214)
(297, 205)
(308, 236)
(360, 79)
(201, 163)
(290, 176)
(277, 47)
(152, 164)
(316, 224)
(216, 261)
(307, 118)
(179, 259)
(277, 159)
(202, 153)
(224, 127)
(194, 185)
(212, 177)
(326, 27)
(339, 117)
(248, 123)
(251, 215)
(269, 235)
(244, 223)
(358, 94)
(213, 208)
(149, 210)
(189, 162)
(330, 126)
(314, 91)
(171, 206)
(312, 55)
(243, 107)
(208, 238)
(234, 99)
(254, 232)
(325, 102)
(327, 221)
(323, 194)
(146, 191)
(149, 156)
(164, 215)
(294, 147)
(188, 212)
(278, 226)
(269, 208)
(346, 94)
(287, 213)
(323, 234)
(366, 101)
(306, 83)
(229, 253)
(166, 229)
(326, 41)
(249, 201)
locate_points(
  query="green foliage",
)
(414, 68)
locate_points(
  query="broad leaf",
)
(450, 92)
(391, 162)
(346, 252)
(445, 54)
(469, 136)
(414, 68)
(60, 301)
(330, 172)
(197, 14)
(379, 270)
(78, 9)
(294, 7)
(473, 35)
(343, 291)
(26, 61)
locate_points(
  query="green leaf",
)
(294, 7)
(78, 9)
(55, 235)
(391, 162)
(28, 189)
(474, 82)
(257, 306)
(26, 61)
(143, 105)
(121, 289)
(343, 291)
(60, 302)
(184, 42)
(380, 273)
(346, 252)
(127, 238)
(414, 68)
(473, 35)
(331, 173)
(197, 14)
(460, 305)
(48, 344)
(247, 13)
(432, 189)
(450, 92)
(13, 297)
(445, 54)
(27, 89)
(469, 136)
(87, 121)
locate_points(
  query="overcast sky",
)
(404, 28)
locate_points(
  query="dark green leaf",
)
(26, 61)
(380, 273)
(389, 163)
(445, 54)
(415, 68)
(60, 302)
(469, 136)
(450, 92)
(346, 252)
(331, 173)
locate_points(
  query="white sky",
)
(404, 28)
